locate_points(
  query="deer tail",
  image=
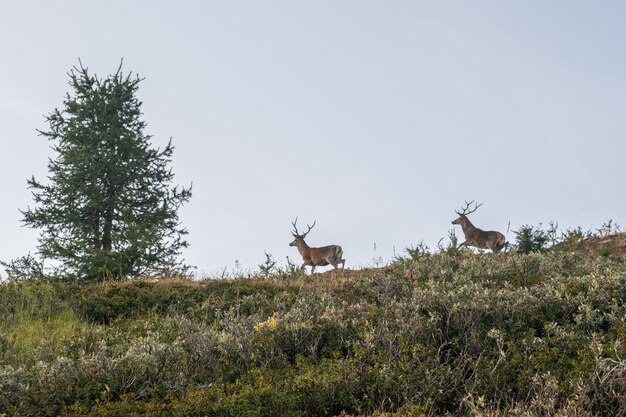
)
(339, 253)
(502, 243)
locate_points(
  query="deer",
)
(323, 256)
(475, 236)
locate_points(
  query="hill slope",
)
(486, 334)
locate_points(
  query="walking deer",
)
(316, 256)
(475, 236)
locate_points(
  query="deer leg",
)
(312, 268)
(501, 246)
(496, 246)
(458, 248)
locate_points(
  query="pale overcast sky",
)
(375, 118)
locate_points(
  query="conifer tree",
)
(109, 208)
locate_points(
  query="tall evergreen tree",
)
(109, 209)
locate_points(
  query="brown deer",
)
(316, 256)
(475, 236)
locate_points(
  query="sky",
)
(375, 119)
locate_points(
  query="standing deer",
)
(316, 256)
(475, 236)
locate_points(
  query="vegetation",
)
(464, 334)
(109, 210)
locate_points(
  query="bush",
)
(531, 239)
(108, 302)
(494, 334)
(22, 268)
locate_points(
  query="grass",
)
(471, 334)
(27, 335)
(33, 315)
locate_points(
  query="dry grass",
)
(614, 244)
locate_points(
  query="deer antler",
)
(310, 227)
(295, 228)
(296, 233)
(466, 210)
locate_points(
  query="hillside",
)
(472, 334)
(601, 245)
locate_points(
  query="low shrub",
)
(494, 334)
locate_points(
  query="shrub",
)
(495, 334)
(531, 239)
(22, 268)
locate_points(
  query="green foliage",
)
(453, 243)
(576, 235)
(25, 267)
(608, 228)
(109, 209)
(112, 301)
(463, 334)
(290, 270)
(269, 266)
(33, 314)
(531, 239)
(415, 252)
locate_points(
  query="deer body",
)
(478, 237)
(321, 256)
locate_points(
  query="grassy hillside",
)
(490, 334)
